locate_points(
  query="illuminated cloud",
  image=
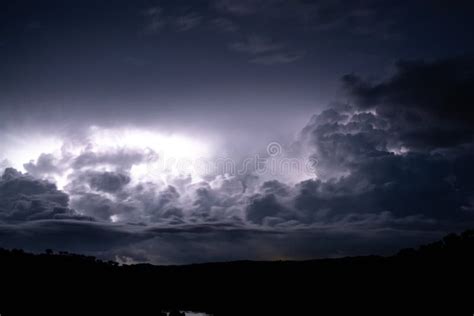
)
(186, 131)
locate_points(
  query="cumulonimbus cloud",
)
(383, 177)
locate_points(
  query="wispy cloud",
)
(155, 20)
(266, 51)
(238, 7)
(255, 44)
(225, 25)
(277, 58)
(188, 21)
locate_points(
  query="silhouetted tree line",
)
(433, 279)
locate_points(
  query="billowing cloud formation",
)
(399, 148)
(428, 104)
(394, 168)
(23, 198)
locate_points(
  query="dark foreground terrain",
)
(433, 279)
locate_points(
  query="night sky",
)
(176, 132)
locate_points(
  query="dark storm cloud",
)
(313, 218)
(370, 171)
(107, 181)
(373, 185)
(428, 104)
(405, 186)
(370, 179)
(90, 75)
(267, 210)
(101, 194)
(394, 160)
(100, 206)
(24, 198)
(69, 235)
(165, 205)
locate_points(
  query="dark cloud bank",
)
(394, 169)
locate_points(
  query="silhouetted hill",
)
(435, 278)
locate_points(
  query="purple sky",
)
(193, 131)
